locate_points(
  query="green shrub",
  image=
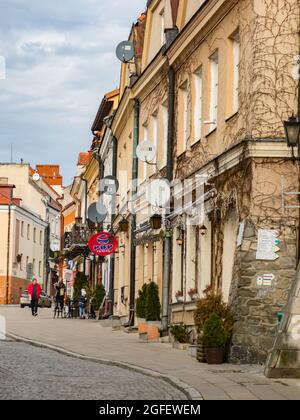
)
(180, 333)
(214, 335)
(79, 283)
(141, 302)
(152, 307)
(98, 296)
(212, 303)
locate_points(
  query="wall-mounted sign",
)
(55, 245)
(266, 280)
(103, 244)
(266, 247)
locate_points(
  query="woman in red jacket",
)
(34, 292)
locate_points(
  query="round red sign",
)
(103, 244)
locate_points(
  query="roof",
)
(103, 111)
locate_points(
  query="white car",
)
(44, 301)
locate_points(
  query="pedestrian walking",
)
(81, 304)
(60, 291)
(34, 292)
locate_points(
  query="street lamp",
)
(292, 131)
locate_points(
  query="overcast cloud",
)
(60, 60)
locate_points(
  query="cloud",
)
(60, 60)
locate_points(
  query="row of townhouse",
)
(209, 87)
(29, 223)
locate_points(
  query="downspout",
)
(113, 209)
(168, 237)
(136, 128)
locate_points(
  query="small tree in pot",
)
(140, 307)
(214, 339)
(152, 311)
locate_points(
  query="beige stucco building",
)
(210, 88)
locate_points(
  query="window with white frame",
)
(185, 117)
(28, 232)
(162, 28)
(214, 88)
(155, 133)
(165, 122)
(34, 235)
(198, 89)
(145, 165)
(235, 80)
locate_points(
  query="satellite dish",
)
(109, 185)
(97, 212)
(146, 151)
(36, 177)
(125, 51)
(158, 193)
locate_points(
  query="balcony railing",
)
(77, 238)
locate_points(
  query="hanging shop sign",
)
(103, 244)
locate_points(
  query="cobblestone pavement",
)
(91, 339)
(28, 372)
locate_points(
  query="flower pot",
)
(192, 351)
(215, 356)
(179, 299)
(142, 326)
(201, 353)
(153, 330)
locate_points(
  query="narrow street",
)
(30, 373)
(90, 339)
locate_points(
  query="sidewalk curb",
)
(192, 393)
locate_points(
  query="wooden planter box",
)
(149, 331)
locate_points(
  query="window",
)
(33, 266)
(155, 129)
(41, 237)
(214, 85)
(235, 80)
(198, 105)
(145, 165)
(22, 229)
(162, 28)
(40, 268)
(165, 117)
(28, 232)
(183, 120)
(34, 235)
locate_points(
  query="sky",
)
(59, 60)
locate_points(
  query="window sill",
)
(232, 116)
(211, 132)
(196, 142)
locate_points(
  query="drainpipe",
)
(168, 238)
(112, 257)
(133, 224)
(8, 246)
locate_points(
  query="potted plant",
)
(212, 302)
(141, 309)
(214, 339)
(152, 312)
(179, 296)
(181, 336)
(193, 294)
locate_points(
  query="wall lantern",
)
(292, 131)
(156, 221)
(203, 230)
(179, 240)
(124, 225)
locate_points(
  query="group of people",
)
(35, 290)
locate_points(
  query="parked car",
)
(44, 302)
